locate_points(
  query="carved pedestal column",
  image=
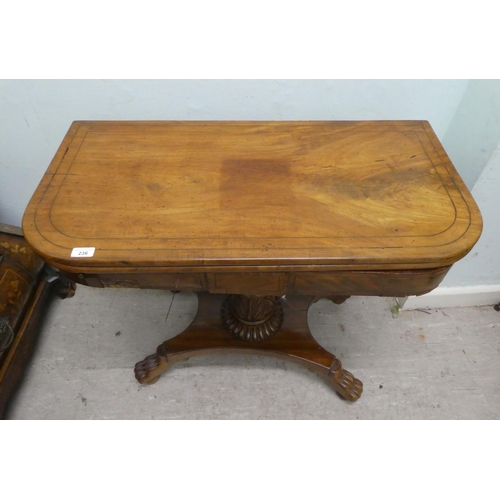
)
(252, 318)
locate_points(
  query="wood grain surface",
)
(375, 195)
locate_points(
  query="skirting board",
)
(454, 296)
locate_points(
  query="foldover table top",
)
(343, 195)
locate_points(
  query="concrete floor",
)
(438, 364)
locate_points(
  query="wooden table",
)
(261, 219)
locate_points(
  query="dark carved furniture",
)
(26, 284)
(259, 218)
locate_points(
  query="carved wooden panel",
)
(22, 297)
(19, 268)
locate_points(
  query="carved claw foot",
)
(346, 385)
(148, 370)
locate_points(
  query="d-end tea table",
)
(260, 219)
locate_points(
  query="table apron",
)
(394, 283)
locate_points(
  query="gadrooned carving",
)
(252, 318)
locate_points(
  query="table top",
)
(266, 195)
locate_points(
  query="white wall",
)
(474, 132)
(35, 114)
(482, 265)
(473, 144)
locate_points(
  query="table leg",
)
(268, 326)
